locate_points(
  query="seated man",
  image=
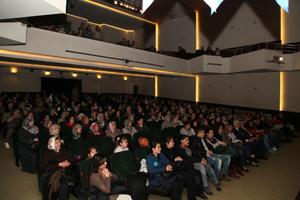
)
(161, 173)
(198, 157)
(223, 160)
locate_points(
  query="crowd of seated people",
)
(120, 146)
(126, 43)
(208, 51)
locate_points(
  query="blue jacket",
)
(155, 166)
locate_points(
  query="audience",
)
(63, 132)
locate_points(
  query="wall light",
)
(197, 92)
(125, 78)
(99, 76)
(197, 29)
(47, 73)
(74, 75)
(13, 70)
(282, 91)
(115, 2)
(156, 86)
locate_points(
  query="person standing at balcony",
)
(98, 34)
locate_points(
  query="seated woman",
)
(102, 181)
(185, 170)
(161, 174)
(122, 144)
(215, 152)
(128, 128)
(112, 130)
(56, 164)
(28, 145)
(237, 163)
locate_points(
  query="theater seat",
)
(157, 190)
(123, 163)
(104, 145)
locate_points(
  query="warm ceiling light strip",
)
(82, 70)
(118, 11)
(156, 86)
(157, 37)
(282, 91)
(282, 26)
(87, 62)
(197, 92)
(197, 29)
(103, 24)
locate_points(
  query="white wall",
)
(177, 88)
(292, 91)
(177, 28)
(239, 23)
(26, 81)
(257, 90)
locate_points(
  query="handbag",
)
(67, 179)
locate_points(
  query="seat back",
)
(123, 163)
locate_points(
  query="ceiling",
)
(101, 15)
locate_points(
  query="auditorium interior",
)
(149, 99)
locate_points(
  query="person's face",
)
(201, 134)
(31, 123)
(92, 153)
(97, 128)
(185, 142)
(220, 129)
(72, 120)
(30, 115)
(124, 144)
(57, 145)
(229, 128)
(141, 122)
(156, 149)
(129, 124)
(103, 166)
(170, 144)
(79, 130)
(210, 134)
(188, 126)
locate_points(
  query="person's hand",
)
(203, 161)
(64, 164)
(169, 168)
(36, 139)
(178, 158)
(105, 172)
(209, 152)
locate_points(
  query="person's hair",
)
(200, 130)
(154, 143)
(120, 139)
(209, 129)
(91, 148)
(182, 137)
(98, 160)
(169, 138)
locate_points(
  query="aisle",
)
(277, 179)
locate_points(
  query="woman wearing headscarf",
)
(112, 130)
(28, 145)
(78, 147)
(128, 129)
(56, 163)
